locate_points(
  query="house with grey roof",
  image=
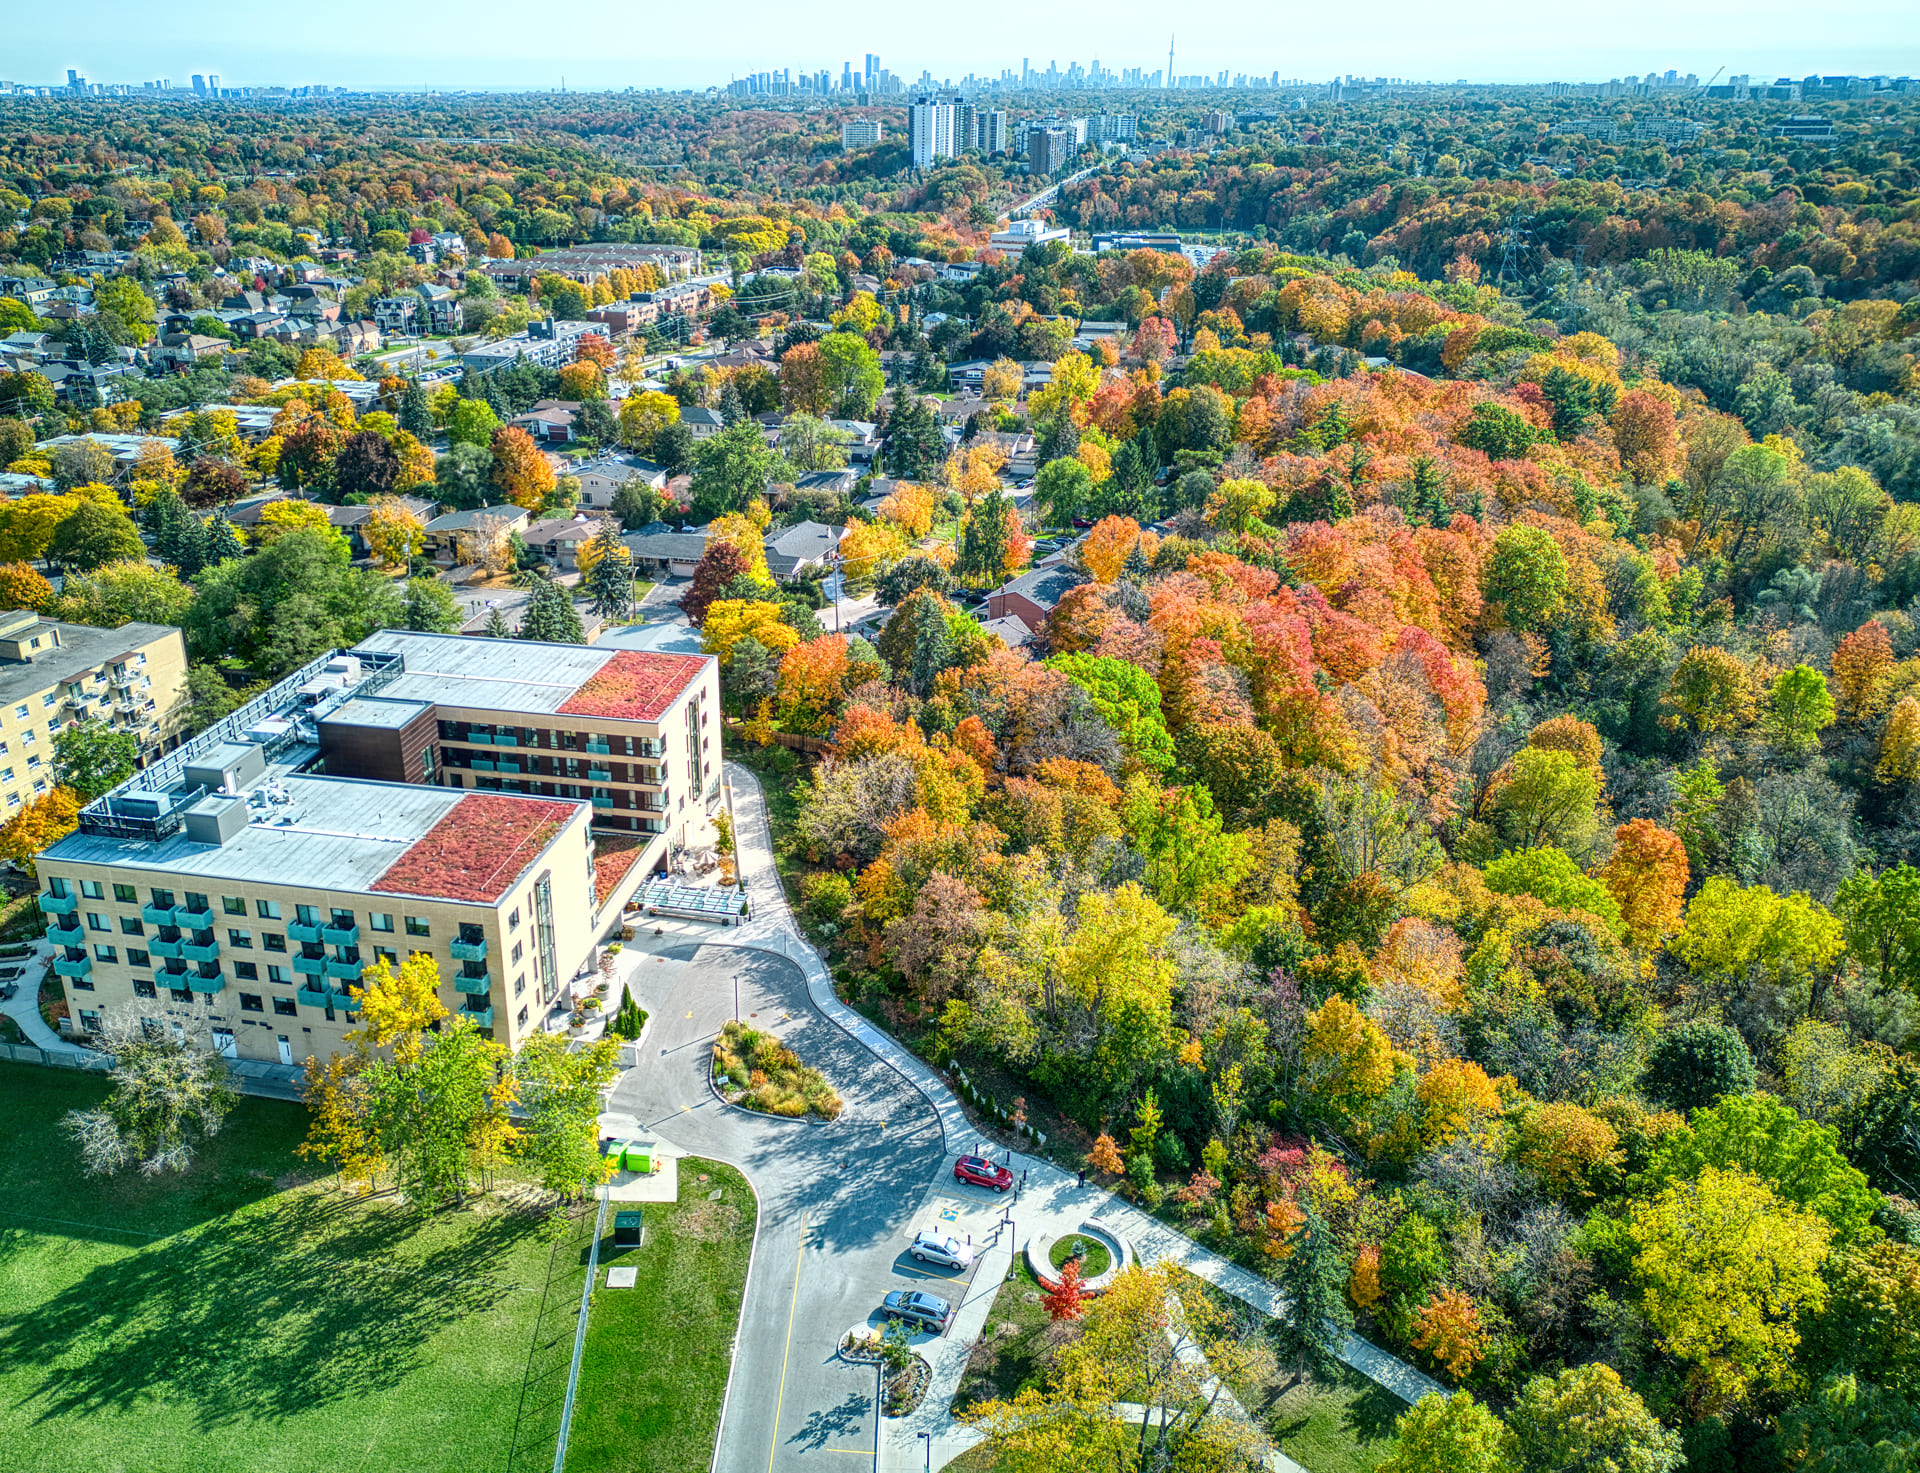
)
(666, 552)
(445, 533)
(798, 550)
(702, 423)
(1033, 595)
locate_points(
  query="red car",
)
(980, 1172)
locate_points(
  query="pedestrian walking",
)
(1083, 1176)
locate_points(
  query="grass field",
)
(232, 1319)
(657, 1355)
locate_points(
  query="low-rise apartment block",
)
(491, 803)
(52, 674)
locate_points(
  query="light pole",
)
(736, 997)
(927, 1437)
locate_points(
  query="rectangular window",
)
(246, 971)
(417, 926)
(137, 957)
(523, 1017)
(513, 919)
(162, 899)
(80, 984)
(234, 905)
(125, 894)
(143, 988)
(241, 939)
(91, 890)
(105, 954)
(379, 921)
(342, 918)
(180, 994)
(391, 958)
(518, 947)
(285, 1007)
(97, 922)
(194, 900)
(277, 975)
(251, 1002)
(132, 926)
(520, 984)
(20, 712)
(306, 915)
(273, 941)
(267, 910)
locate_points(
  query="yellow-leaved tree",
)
(394, 534)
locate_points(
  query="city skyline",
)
(433, 48)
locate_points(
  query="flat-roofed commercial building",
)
(489, 802)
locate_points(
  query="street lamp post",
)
(736, 997)
(927, 1437)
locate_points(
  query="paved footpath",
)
(1049, 1199)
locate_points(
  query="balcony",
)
(60, 905)
(192, 920)
(483, 764)
(603, 800)
(653, 777)
(508, 764)
(201, 982)
(469, 951)
(605, 749)
(473, 985)
(648, 747)
(344, 971)
(61, 935)
(478, 738)
(200, 951)
(600, 774)
(80, 968)
(157, 915)
(310, 966)
(479, 1017)
(313, 997)
(301, 931)
(160, 946)
(340, 935)
(506, 739)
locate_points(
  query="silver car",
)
(941, 1248)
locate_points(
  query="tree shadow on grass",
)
(1373, 1415)
(281, 1308)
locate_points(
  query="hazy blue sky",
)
(508, 43)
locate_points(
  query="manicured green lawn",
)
(231, 1319)
(1342, 1423)
(658, 1354)
(1009, 1352)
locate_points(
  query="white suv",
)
(933, 1247)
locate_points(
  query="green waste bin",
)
(626, 1230)
(611, 1152)
(638, 1158)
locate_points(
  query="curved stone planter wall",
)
(1119, 1254)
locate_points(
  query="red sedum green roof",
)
(635, 685)
(477, 851)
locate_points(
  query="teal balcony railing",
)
(157, 915)
(81, 968)
(480, 1017)
(192, 920)
(200, 951)
(198, 983)
(469, 951)
(300, 931)
(61, 905)
(312, 997)
(311, 966)
(344, 971)
(61, 935)
(340, 935)
(477, 985)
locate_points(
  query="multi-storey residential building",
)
(52, 673)
(548, 343)
(930, 130)
(1049, 146)
(862, 133)
(421, 793)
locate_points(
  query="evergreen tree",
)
(1136, 567)
(222, 541)
(1313, 1277)
(931, 645)
(415, 417)
(982, 555)
(1059, 438)
(1427, 496)
(497, 625)
(732, 410)
(915, 446)
(551, 615)
(186, 546)
(611, 581)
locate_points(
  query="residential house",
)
(561, 538)
(33, 290)
(1033, 595)
(665, 551)
(1011, 630)
(446, 536)
(702, 423)
(601, 480)
(395, 316)
(548, 343)
(803, 548)
(440, 310)
(550, 421)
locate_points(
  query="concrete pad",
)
(662, 1185)
(622, 1278)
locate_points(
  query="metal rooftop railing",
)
(289, 700)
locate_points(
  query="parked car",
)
(941, 1248)
(979, 1172)
(927, 1310)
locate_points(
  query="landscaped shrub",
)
(827, 896)
(761, 1073)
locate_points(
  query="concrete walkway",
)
(1049, 1198)
(24, 1006)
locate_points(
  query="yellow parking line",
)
(787, 1354)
